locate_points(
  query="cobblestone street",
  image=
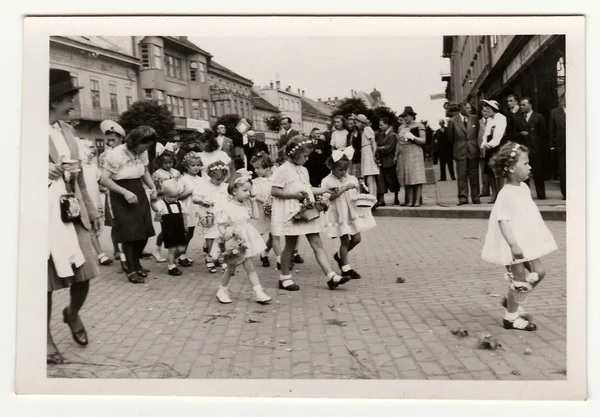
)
(373, 328)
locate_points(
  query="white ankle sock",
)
(284, 277)
(511, 316)
(172, 266)
(122, 256)
(102, 255)
(264, 254)
(346, 268)
(279, 259)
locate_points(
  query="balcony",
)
(87, 112)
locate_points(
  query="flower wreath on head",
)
(191, 155)
(512, 157)
(300, 144)
(219, 167)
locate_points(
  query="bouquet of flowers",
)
(321, 203)
(268, 207)
(232, 246)
(307, 210)
(364, 199)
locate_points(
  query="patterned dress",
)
(368, 165)
(261, 188)
(411, 161)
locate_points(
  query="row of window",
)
(112, 92)
(152, 57)
(244, 89)
(285, 104)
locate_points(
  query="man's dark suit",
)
(558, 136)
(283, 141)
(386, 151)
(445, 154)
(252, 148)
(466, 154)
(536, 140)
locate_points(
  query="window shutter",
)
(145, 52)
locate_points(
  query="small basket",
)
(310, 214)
(235, 259)
(207, 220)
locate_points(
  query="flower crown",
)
(512, 157)
(242, 179)
(218, 167)
(299, 145)
(191, 155)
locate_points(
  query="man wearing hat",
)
(463, 130)
(253, 147)
(72, 259)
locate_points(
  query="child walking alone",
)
(261, 188)
(165, 158)
(292, 214)
(171, 215)
(189, 182)
(239, 242)
(517, 236)
(211, 196)
(344, 219)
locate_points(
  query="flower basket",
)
(233, 249)
(309, 214)
(364, 200)
(207, 220)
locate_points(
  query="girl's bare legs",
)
(317, 246)
(515, 317)
(287, 254)
(344, 249)
(222, 292)
(261, 297)
(538, 268)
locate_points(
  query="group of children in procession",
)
(240, 217)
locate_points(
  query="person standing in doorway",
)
(558, 135)
(462, 132)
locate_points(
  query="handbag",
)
(70, 210)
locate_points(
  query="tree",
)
(379, 112)
(149, 113)
(230, 121)
(350, 106)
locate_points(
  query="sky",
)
(406, 70)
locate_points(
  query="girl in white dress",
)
(232, 218)
(189, 182)
(344, 219)
(261, 188)
(291, 185)
(211, 195)
(517, 236)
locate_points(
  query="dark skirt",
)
(85, 272)
(133, 222)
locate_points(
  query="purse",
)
(70, 209)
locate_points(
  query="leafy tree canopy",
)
(274, 123)
(149, 113)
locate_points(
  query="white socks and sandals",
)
(519, 320)
(261, 297)
(335, 280)
(346, 269)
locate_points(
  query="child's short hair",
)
(261, 160)
(159, 160)
(506, 157)
(217, 167)
(189, 158)
(298, 143)
(170, 188)
(237, 181)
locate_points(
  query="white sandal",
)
(288, 285)
(261, 297)
(519, 324)
(223, 295)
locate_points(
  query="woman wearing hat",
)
(124, 173)
(495, 129)
(409, 157)
(72, 215)
(368, 146)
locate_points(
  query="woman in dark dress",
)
(317, 169)
(125, 167)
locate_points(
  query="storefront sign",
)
(440, 96)
(527, 52)
(197, 124)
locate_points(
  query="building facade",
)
(286, 101)
(314, 116)
(108, 71)
(230, 93)
(492, 67)
(262, 110)
(174, 71)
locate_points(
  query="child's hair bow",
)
(339, 154)
(160, 148)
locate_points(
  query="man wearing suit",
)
(253, 147)
(558, 134)
(386, 151)
(225, 144)
(288, 133)
(530, 130)
(445, 151)
(463, 132)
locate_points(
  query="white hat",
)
(493, 104)
(111, 126)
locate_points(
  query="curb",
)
(438, 212)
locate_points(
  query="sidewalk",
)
(440, 199)
(373, 328)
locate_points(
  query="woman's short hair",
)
(141, 135)
(210, 139)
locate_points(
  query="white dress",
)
(190, 182)
(514, 203)
(261, 188)
(216, 194)
(291, 178)
(208, 158)
(343, 217)
(235, 217)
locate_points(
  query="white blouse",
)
(123, 164)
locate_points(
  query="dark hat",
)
(61, 83)
(408, 110)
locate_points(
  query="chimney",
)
(336, 97)
(328, 98)
(278, 84)
(319, 100)
(289, 89)
(271, 85)
(351, 93)
(302, 93)
(298, 91)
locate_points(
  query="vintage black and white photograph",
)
(299, 208)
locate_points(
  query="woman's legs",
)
(130, 250)
(113, 238)
(96, 244)
(51, 348)
(410, 195)
(371, 181)
(79, 292)
(494, 185)
(418, 189)
(141, 244)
